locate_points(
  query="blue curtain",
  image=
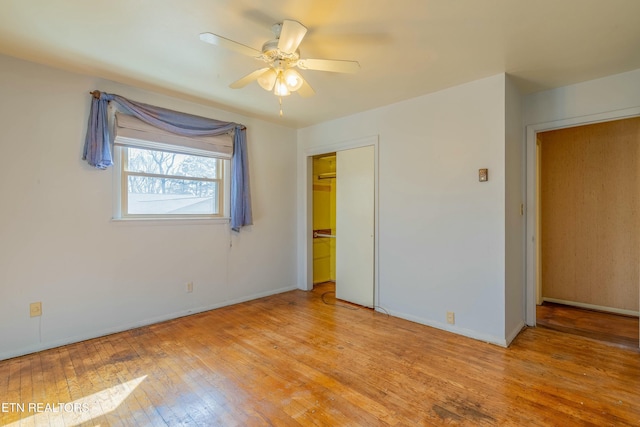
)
(240, 196)
(96, 145)
(97, 150)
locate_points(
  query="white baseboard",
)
(449, 328)
(594, 307)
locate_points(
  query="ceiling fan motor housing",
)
(271, 53)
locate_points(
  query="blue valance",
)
(97, 149)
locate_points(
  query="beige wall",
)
(590, 224)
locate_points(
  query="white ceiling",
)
(405, 48)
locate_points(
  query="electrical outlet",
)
(35, 309)
(189, 287)
(451, 317)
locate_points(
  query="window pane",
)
(164, 163)
(164, 196)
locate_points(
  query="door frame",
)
(532, 274)
(305, 235)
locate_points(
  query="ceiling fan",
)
(282, 58)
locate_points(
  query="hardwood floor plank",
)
(303, 358)
(37, 378)
(85, 362)
(146, 391)
(9, 412)
(26, 390)
(127, 367)
(115, 373)
(63, 372)
(49, 374)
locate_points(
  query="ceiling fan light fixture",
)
(280, 88)
(268, 79)
(293, 79)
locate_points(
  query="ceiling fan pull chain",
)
(280, 98)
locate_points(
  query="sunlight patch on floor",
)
(81, 410)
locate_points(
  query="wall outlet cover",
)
(451, 317)
(35, 309)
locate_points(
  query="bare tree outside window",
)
(164, 183)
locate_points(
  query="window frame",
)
(121, 192)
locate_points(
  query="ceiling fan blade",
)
(306, 90)
(291, 35)
(332, 65)
(248, 78)
(229, 44)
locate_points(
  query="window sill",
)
(172, 221)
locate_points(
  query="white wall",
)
(58, 244)
(515, 223)
(441, 232)
(598, 96)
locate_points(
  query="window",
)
(161, 183)
(163, 175)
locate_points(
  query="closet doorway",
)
(324, 218)
(343, 223)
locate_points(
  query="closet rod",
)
(324, 235)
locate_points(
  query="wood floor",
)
(300, 359)
(597, 325)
